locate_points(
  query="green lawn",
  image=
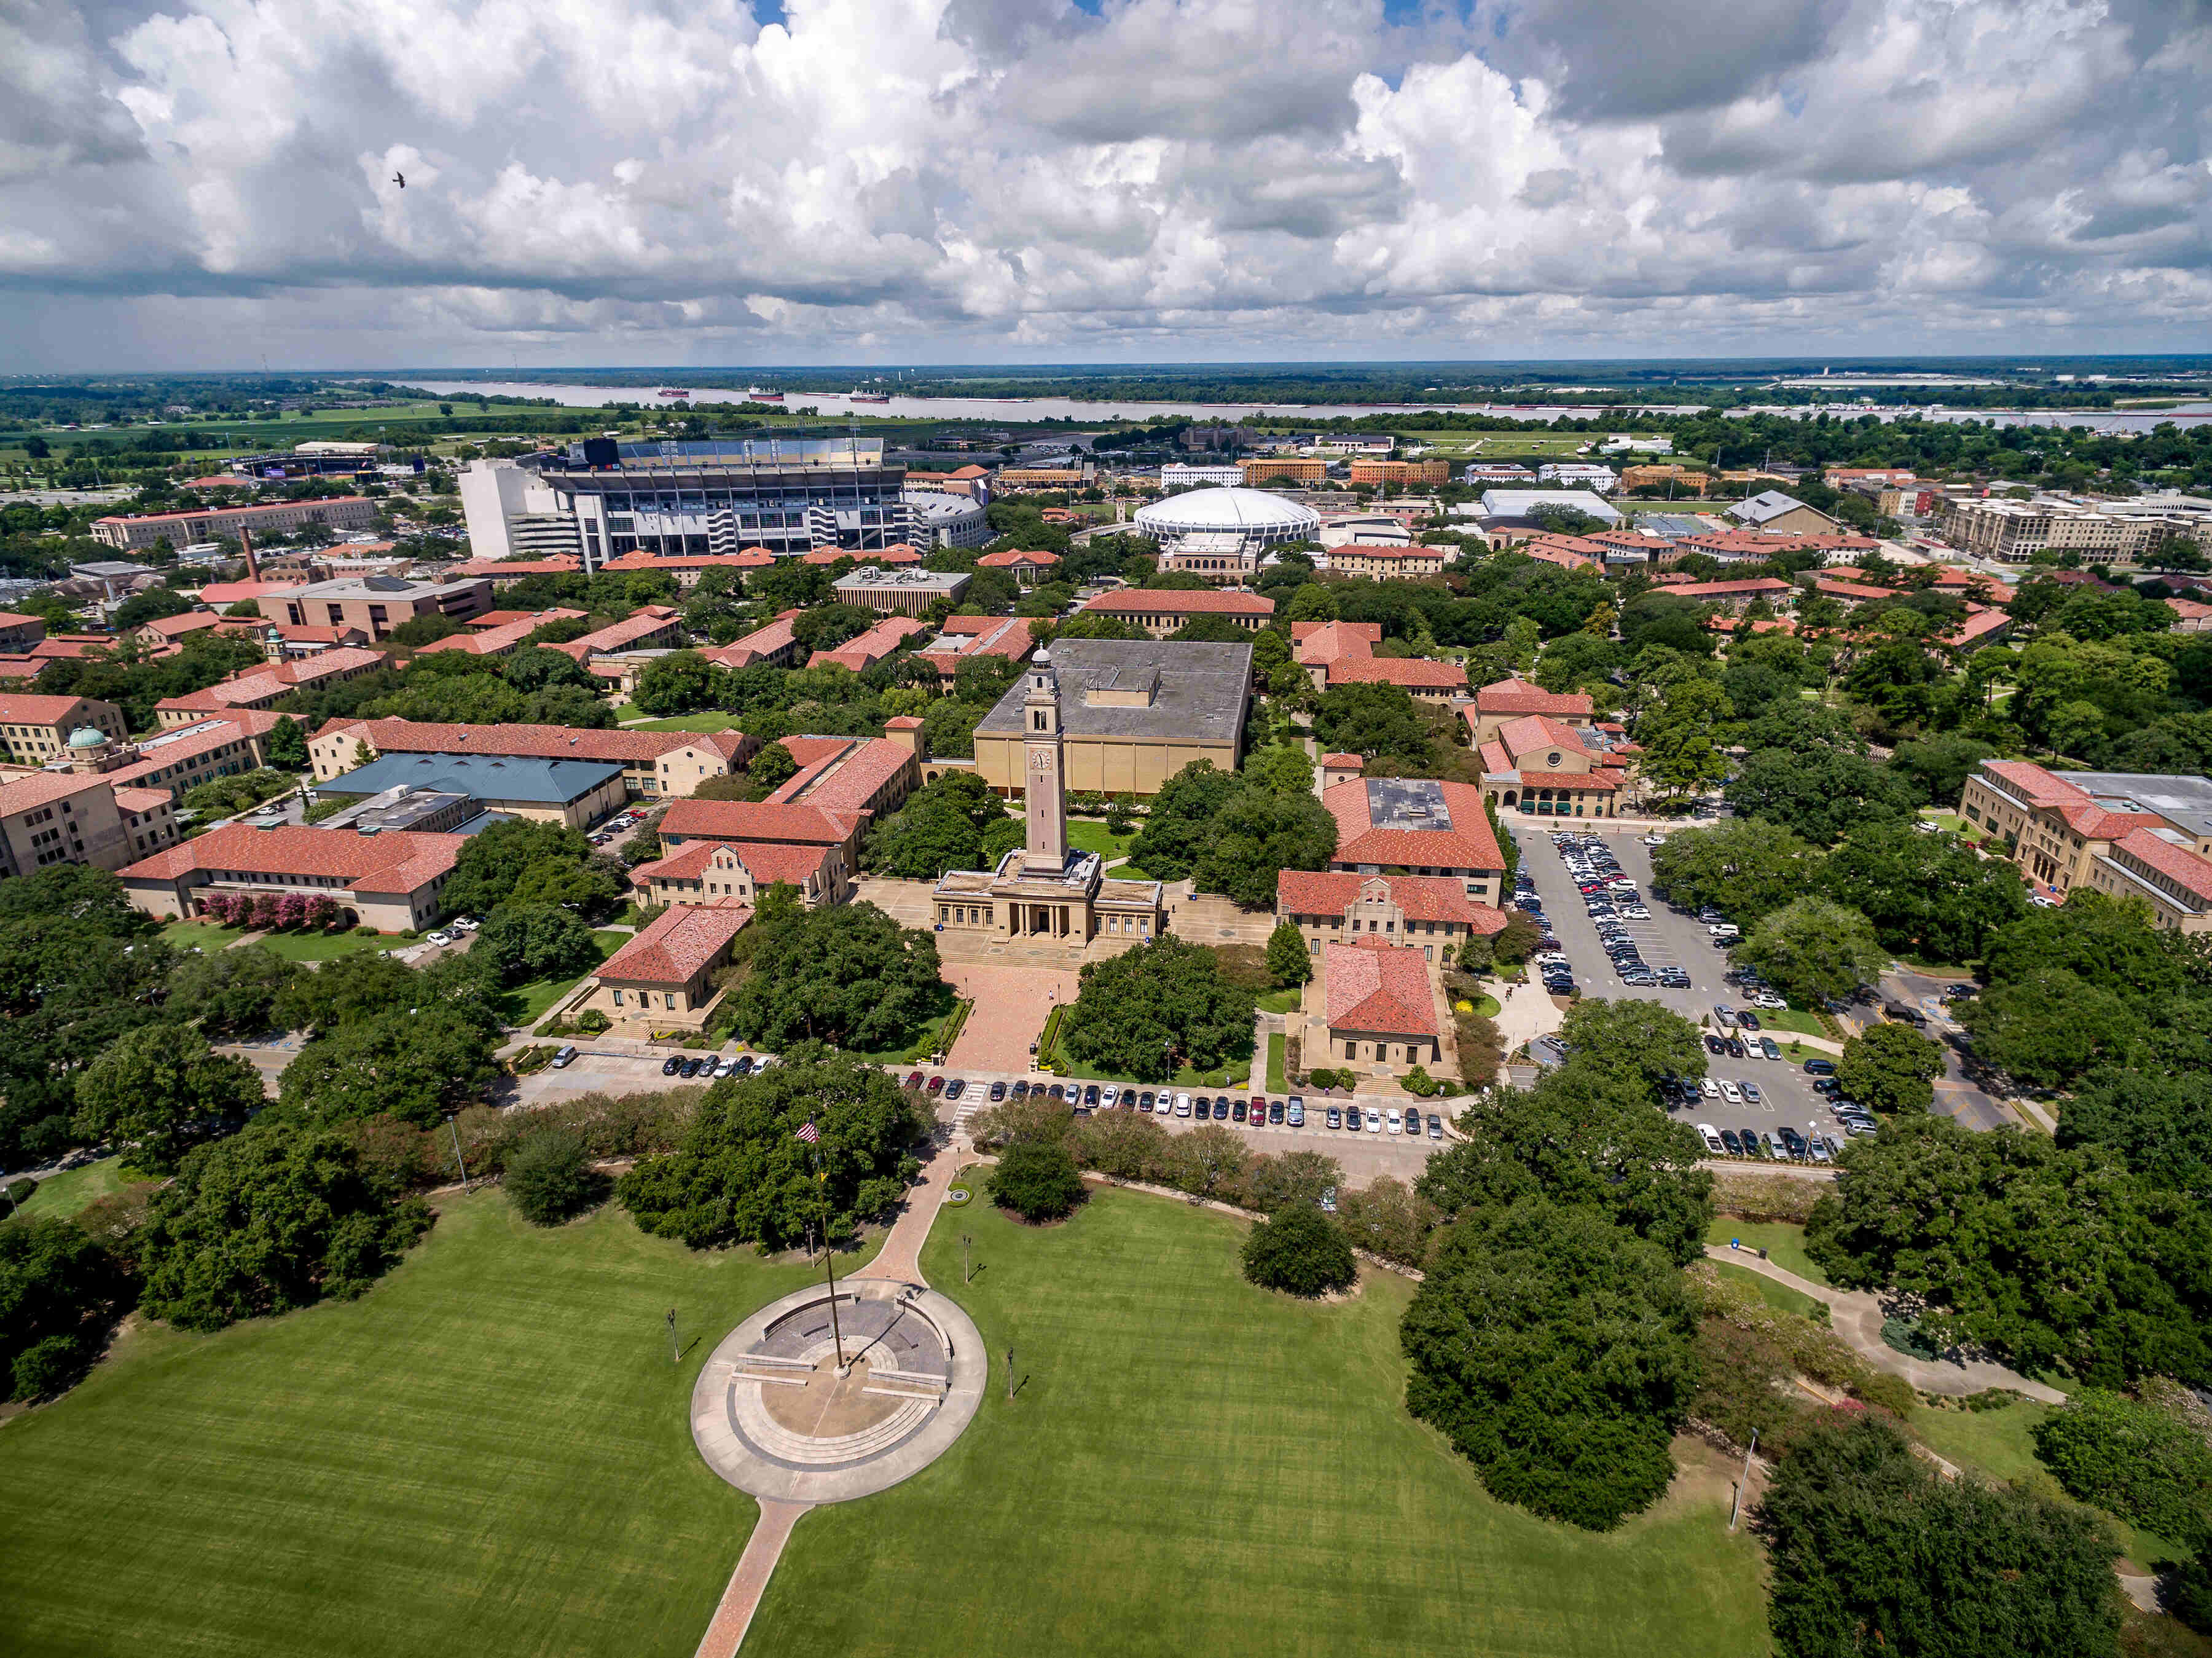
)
(1280, 1001)
(1780, 1297)
(711, 721)
(1948, 820)
(527, 1004)
(488, 1453)
(1276, 1082)
(65, 1193)
(1792, 1018)
(1095, 837)
(1783, 1241)
(185, 935)
(323, 946)
(1191, 1465)
(1235, 1074)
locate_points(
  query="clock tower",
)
(1046, 848)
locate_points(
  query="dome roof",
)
(88, 736)
(1227, 508)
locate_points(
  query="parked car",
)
(1183, 1105)
(1221, 1108)
(936, 1084)
(1294, 1114)
(1145, 1100)
(1274, 1111)
(1730, 1092)
(1749, 1020)
(1708, 1088)
(913, 1079)
(691, 1068)
(1820, 1067)
(1334, 1118)
(566, 1057)
(1108, 1096)
(441, 937)
(672, 1064)
(746, 1067)
(1711, 1136)
(1436, 1125)
(1413, 1120)
(1770, 1047)
(1090, 1094)
(1732, 1142)
(954, 1089)
(1236, 1111)
(1374, 1121)
(1055, 1092)
(1751, 1094)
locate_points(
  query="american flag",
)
(809, 1132)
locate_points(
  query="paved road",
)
(1956, 1094)
(1670, 938)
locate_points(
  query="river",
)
(1014, 410)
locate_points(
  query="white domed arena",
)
(1260, 518)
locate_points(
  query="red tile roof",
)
(2178, 862)
(1380, 987)
(1420, 897)
(1600, 780)
(1335, 761)
(278, 679)
(1980, 626)
(1317, 643)
(629, 747)
(1468, 844)
(865, 650)
(220, 593)
(36, 710)
(1395, 671)
(1534, 732)
(1849, 589)
(398, 860)
(677, 944)
(1141, 601)
(41, 788)
(1519, 696)
(1754, 584)
(646, 622)
(758, 645)
(1010, 637)
(2036, 786)
(756, 820)
(765, 861)
(849, 780)
(497, 641)
(1016, 559)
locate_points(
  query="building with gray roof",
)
(1134, 711)
(448, 790)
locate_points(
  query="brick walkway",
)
(749, 1580)
(1012, 1005)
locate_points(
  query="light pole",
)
(965, 1275)
(453, 1123)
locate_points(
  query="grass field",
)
(1193, 1466)
(1792, 1018)
(1278, 1082)
(1280, 1001)
(489, 1453)
(1096, 837)
(185, 935)
(1780, 1297)
(527, 1004)
(1783, 1241)
(65, 1193)
(711, 721)
(324, 946)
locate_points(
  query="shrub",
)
(21, 1192)
(1299, 1253)
(1036, 1181)
(592, 1022)
(1420, 1083)
(549, 1176)
(2140, 1462)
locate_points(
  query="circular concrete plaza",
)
(774, 1414)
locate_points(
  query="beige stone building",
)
(38, 729)
(664, 974)
(1539, 768)
(656, 765)
(2116, 831)
(1429, 914)
(1131, 715)
(1159, 612)
(74, 816)
(376, 604)
(390, 881)
(1374, 1009)
(1042, 889)
(2012, 531)
(1282, 469)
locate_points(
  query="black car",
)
(1055, 1092)
(1820, 1068)
(1960, 993)
(1748, 1020)
(1145, 1100)
(998, 1092)
(1022, 1088)
(1729, 1139)
(1090, 1094)
(1792, 1141)
(744, 1066)
(672, 1064)
(692, 1067)
(1737, 1049)
(1236, 1110)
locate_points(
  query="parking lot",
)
(1670, 938)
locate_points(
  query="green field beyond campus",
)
(490, 1452)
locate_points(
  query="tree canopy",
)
(1166, 1003)
(846, 973)
(1813, 950)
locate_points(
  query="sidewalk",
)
(1857, 1317)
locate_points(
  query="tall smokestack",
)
(246, 541)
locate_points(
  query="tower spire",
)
(1046, 847)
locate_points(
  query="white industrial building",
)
(1520, 503)
(1254, 518)
(1178, 475)
(1586, 475)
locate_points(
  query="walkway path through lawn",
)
(1012, 1005)
(1857, 1317)
(899, 1261)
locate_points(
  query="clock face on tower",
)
(1041, 761)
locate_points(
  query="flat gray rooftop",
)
(2184, 800)
(484, 776)
(1407, 803)
(1201, 696)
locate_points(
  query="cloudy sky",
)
(203, 183)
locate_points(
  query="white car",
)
(1711, 1136)
(1655, 839)
(1107, 1094)
(1183, 1105)
(1731, 1093)
(441, 937)
(1374, 1121)
(1394, 1121)
(1725, 930)
(1708, 1088)
(464, 924)
(1769, 1001)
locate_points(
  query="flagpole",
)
(812, 1136)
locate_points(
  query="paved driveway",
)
(1956, 1095)
(1670, 938)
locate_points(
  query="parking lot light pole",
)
(453, 1123)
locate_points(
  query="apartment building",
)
(1282, 469)
(2054, 826)
(71, 816)
(2013, 531)
(1402, 474)
(375, 604)
(37, 729)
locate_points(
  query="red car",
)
(936, 1084)
(1258, 1107)
(914, 1079)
